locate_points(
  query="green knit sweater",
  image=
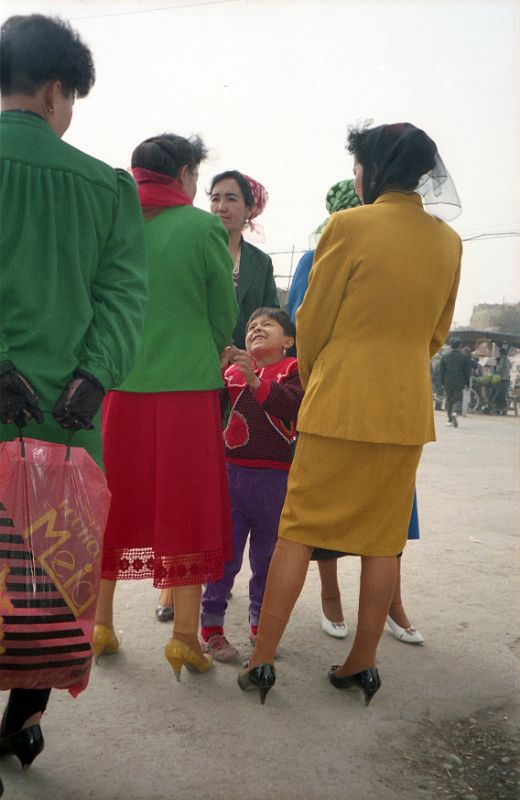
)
(73, 267)
(191, 307)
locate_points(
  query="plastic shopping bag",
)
(54, 505)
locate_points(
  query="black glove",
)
(18, 400)
(78, 403)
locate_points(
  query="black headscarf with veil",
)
(402, 157)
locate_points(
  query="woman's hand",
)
(79, 402)
(245, 364)
(18, 400)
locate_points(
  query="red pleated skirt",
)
(169, 517)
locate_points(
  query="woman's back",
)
(72, 258)
(191, 303)
(385, 275)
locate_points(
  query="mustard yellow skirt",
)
(355, 497)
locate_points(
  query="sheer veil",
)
(438, 192)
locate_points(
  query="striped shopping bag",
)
(53, 508)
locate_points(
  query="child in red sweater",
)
(264, 391)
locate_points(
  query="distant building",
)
(496, 317)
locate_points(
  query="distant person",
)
(503, 369)
(455, 377)
(73, 276)
(476, 370)
(169, 518)
(437, 387)
(264, 392)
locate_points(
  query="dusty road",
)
(444, 724)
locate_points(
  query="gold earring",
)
(50, 109)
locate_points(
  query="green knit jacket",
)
(73, 270)
(191, 304)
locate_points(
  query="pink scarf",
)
(159, 191)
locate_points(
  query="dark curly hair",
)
(393, 156)
(168, 152)
(35, 49)
(237, 176)
(281, 317)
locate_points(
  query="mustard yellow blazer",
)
(380, 301)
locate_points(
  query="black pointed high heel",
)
(25, 745)
(262, 678)
(367, 680)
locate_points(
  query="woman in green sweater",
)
(73, 273)
(164, 454)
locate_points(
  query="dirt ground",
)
(445, 723)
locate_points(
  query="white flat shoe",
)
(338, 630)
(406, 635)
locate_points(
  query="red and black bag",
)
(54, 505)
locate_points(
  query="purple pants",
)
(257, 497)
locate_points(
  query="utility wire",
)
(481, 236)
(473, 238)
(153, 10)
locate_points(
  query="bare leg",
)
(186, 600)
(330, 593)
(397, 611)
(378, 577)
(166, 597)
(105, 604)
(285, 580)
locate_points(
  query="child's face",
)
(265, 336)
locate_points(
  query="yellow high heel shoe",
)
(104, 641)
(180, 654)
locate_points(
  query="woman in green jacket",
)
(169, 518)
(73, 274)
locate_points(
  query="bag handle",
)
(67, 452)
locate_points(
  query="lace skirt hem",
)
(165, 571)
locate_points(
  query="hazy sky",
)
(272, 87)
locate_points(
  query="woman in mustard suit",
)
(382, 291)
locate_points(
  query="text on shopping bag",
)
(49, 535)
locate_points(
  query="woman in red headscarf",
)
(238, 199)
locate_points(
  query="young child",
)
(264, 390)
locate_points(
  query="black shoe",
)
(25, 745)
(368, 680)
(262, 678)
(164, 613)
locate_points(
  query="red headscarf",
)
(159, 191)
(260, 198)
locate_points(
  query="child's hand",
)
(245, 364)
(228, 356)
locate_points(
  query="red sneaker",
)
(220, 648)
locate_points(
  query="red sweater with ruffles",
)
(261, 426)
